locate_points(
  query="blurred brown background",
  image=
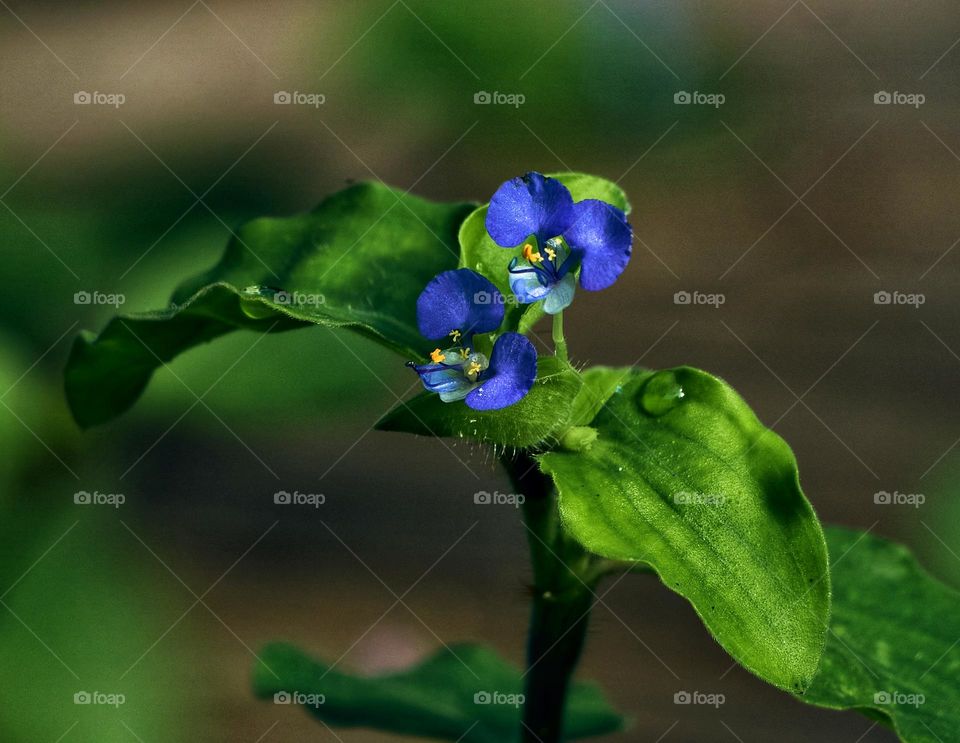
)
(797, 199)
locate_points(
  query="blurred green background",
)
(797, 199)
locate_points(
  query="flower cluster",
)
(561, 240)
(558, 236)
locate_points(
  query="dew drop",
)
(255, 310)
(660, 393)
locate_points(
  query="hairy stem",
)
(559, 342)
(562, 599)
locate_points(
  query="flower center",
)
(548, 270)
(468, 362)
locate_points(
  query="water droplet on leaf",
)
(661, 393)
(255, 310)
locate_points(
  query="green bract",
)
(684, 477)
(449, 696)
(531, 422)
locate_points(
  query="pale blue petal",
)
(561, 295)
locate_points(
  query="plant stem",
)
(562, 599)
(559, 342)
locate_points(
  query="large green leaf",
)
(683, 477)
(480, 253)
(465, 693)
(894, 645)
(532, 421)
(599, 383)
(359, 260)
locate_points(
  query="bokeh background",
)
(796, 199)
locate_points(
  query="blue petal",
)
(561, 295)
(527, 287)
(512, 371)
(459, 300)
(532, 205)
(601, 235)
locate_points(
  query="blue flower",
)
(591, 234)
(456, 305)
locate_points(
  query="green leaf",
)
(480, 253)
(683, 477)
(531, 422)
(599, 383)
(893, 649)
(583, 186)
(359, 260)
(435, 699)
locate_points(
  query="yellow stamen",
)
(465, 352)
(437, 356)
(473, 369)
(531, 255)
(551, 254)
(455, 334)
